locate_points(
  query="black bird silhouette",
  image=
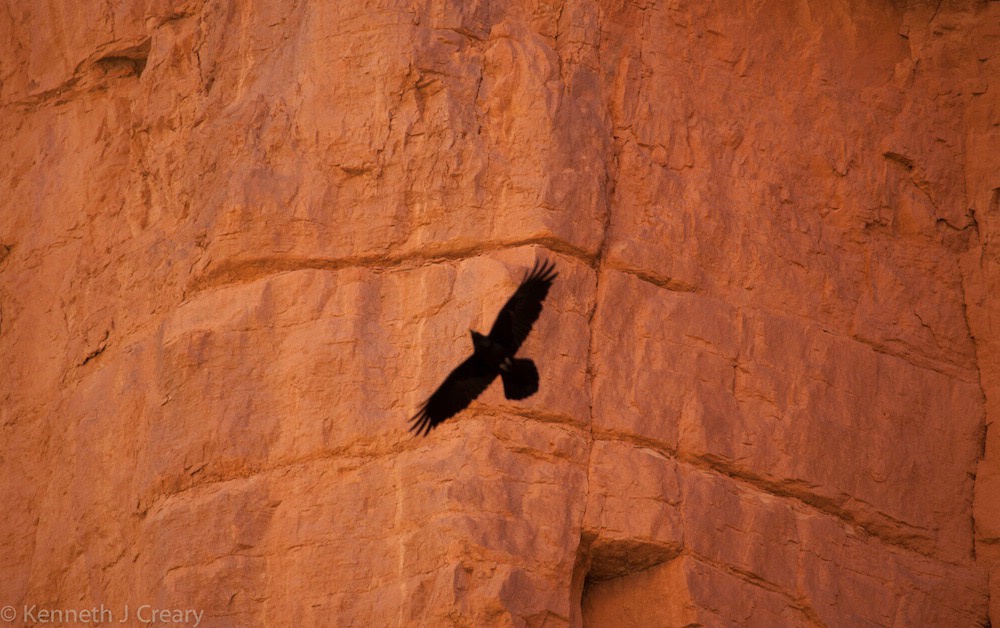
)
(493, 355)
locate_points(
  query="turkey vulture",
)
(493, 355)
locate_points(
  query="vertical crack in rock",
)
(583, 559)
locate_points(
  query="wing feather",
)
(518, 315)
(465, 383)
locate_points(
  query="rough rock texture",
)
(241, 241)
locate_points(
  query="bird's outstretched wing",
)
(465, 383)
(521, 311)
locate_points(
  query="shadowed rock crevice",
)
(688, 591)
(600, 561)
(903, 160)
(114, 61)
(622, 557)
(125, 61)
(5, 250)
(102, 344)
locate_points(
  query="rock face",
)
(242, 241)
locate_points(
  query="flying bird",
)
(493, 355)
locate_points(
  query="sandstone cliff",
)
(241, 241)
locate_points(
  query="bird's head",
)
(479, 341)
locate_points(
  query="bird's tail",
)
(520, 380)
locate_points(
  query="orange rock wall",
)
(241, 241)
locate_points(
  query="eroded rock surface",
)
(241, 242)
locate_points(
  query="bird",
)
(493, 355)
